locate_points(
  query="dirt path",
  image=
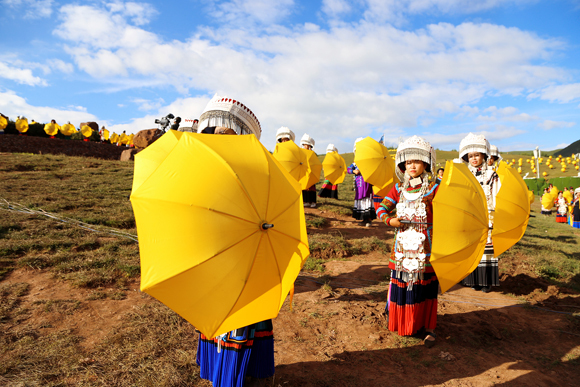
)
(522, 333)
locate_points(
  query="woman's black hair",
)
(209, 130)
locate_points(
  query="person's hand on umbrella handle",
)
(394, 222)
(356, 172)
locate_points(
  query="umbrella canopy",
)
(206, 247)
(3, 122)
(547, 201)
(334, 168)
(568, 196)
(512, 210)
(531, 197)
(105, 134)
(124, 139)
(294, 161)
(314, 165)
(51, 129)
(114, 138)
(376, 165)
(68, 129)
(87, 131)
(460, 225)
(22, 125)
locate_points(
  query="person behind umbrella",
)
(546, 201)
(309, 194)
(228, 360)
(328, 189)
(494, 156)
(284, 134)
(474, 152)
(561, 208)
(576, 209)
(412, 295)
(364, 209)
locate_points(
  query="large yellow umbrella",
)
(294, 161)
(314, 165)
(222, 243)
(334, 168)
(460, 225)
(512, 210)
(3, 122)
(375, 165)
(51, 128)
(22, 125)
(68, 129)
(87, 131)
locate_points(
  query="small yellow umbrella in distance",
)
(87, 131)
(547, 201)
(210, 255)
(22, 125)
(314, 166)
(114, 138)
(460, 225)
(531, 196)
(375, 165)
(152, 156)
(124, 139)
(68, 129)
(106, 134)
(3, 122)
(512, 210)
(334, 168)
(294, 161)
(51, 128)
(568, 196)
(131, 137)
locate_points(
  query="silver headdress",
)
(307, 140)
(229, 113)
(414, 148)
(284, 132)
(493, 151)
(331, 148)
(473, 143)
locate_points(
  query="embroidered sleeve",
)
(351, 168)
(388, 207)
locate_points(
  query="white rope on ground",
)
(16, 207)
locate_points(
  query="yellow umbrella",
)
(210, 254)
(131, 137)
(124, 139)
(547, 201)
(568, 196)
(3, 122)
(314, 165)
(531, 197)
(376, 165)
(294, 161)
(68, 129)
(105, 134)
(512, 210)
(460, 225)
(87, 131)
(22, 125)
(51, 129)
(114, 138)
(334, 168)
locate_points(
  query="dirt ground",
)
(523, 333)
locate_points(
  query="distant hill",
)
(570, 149)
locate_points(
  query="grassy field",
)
(153, 346)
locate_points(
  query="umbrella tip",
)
(266, 226)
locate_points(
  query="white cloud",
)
(60, 65)
(334, 8)
(248, 12)
(30, 9)
(23, 76)
(560, 93)
(14, 105)
(138, 13)
(549, 125)
(148, 105)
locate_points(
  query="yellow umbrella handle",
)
(405, 221)
(266, 226)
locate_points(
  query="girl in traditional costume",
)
(284, 134)
(576, 209)
(328, 189)
(363, 209)
(248, 352)
(494, 157)
(309, 194)
(412, 296)
(474, 152)
(561, 208)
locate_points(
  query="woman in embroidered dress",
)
(309, 194)
(364, 209)
(412, 296)
(576, 209)
(232, 358)
(474, 151)
(561, 208)
(328, 189)
(494, 157)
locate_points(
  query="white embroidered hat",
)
(473, 143)
(414, 148)
(493, 151)
(331, 148)
(284, 132)
(355, 141)
(229, 113)
(307, 140)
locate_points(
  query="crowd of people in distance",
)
(564, 203)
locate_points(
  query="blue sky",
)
(335, 69)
